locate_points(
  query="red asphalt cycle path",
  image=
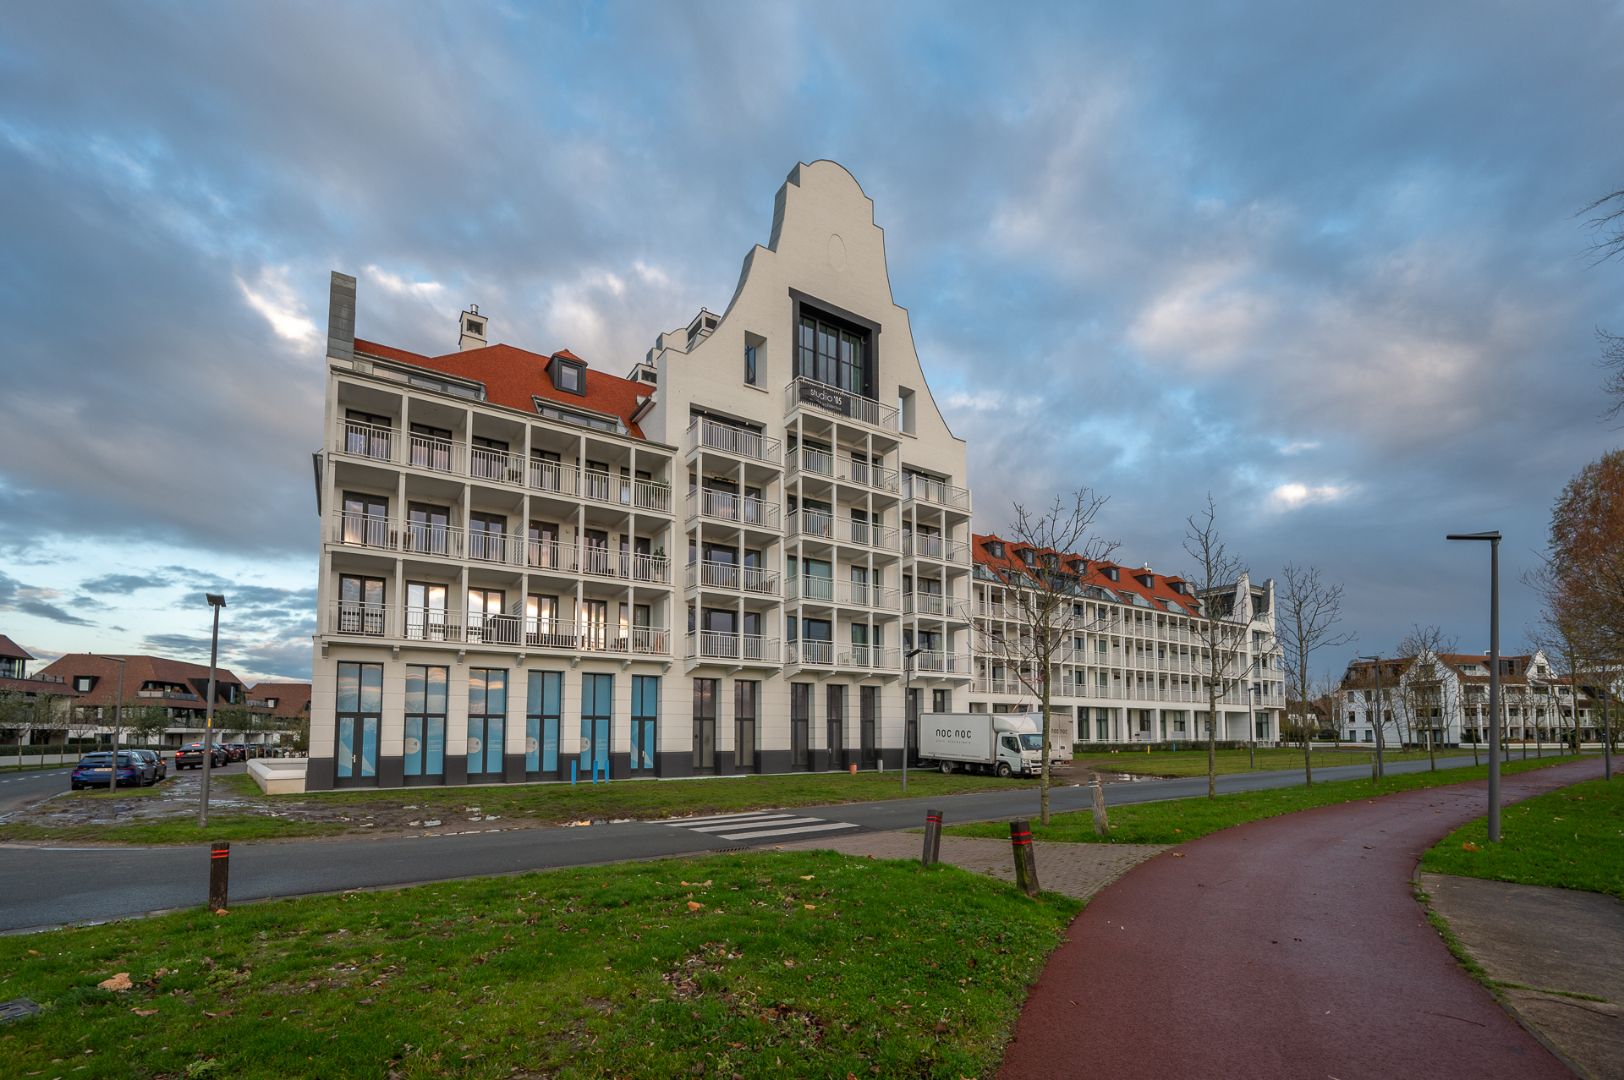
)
(1290, 947)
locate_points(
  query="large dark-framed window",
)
(868, 705)
(705, 694)
(746, 698)
(487, 722)
(834, 351)
(426, 695)
(800, 724)
(645, 722)
(366, 519)
(543, 713)
(835, 722)
(597, 722)
(360, 605)
(359, 714)
(941, 701)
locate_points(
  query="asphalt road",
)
(87, 884)
(17, 788)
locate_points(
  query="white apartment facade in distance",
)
(531, 569)
(1132, 656)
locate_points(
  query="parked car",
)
(236, 752)
(93, 768)
(190, 756)
(160, 768)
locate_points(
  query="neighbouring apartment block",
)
(1447, 695)
(750, 554)
(1131, 658)
(164, 702)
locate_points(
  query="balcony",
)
(739, 442)
(822, 590)
(870, 657)
(810, 652)
(625, 566)
(439, 625)
(733, 578)
(833, 401)
(362, 530)
(485, 463)
(364, 440)
(741, 648)
(942, 663)
(931, 546)
(935, 492)
(743, 510)
(821, 525)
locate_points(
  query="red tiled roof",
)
(514, 377)
(1160, 590)
(138, 671)
(292, 698)
(11, 649)
(36, 686)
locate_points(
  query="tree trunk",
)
(1308, 716)
(1432, 754)
(1212, 743)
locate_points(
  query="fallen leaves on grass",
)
(694, 905)
(1468, 846)
(121, 981)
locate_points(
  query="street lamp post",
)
(118, 723)
(1376, 758)
(907, 704)
(216, 601)
(1493, 539)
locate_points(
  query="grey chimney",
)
(341, 316)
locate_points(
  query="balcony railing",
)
(940, 662)
(551, 555)
(823, 525)
(373, 441)
(718, 645)
(726, 506)
(433, 453)
(355, 617)
(711, 435)
(831, 400)
(363, 530)
(556, 477)
(872, 657)
(931, 546)
(821, 653)
(824, 590)
(485, 463)
(428, 539)
(534, 632)
(936, 492)
(731, 576)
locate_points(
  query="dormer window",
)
(568, 376)
(83, 683)
(995, 548)
(1111, 572)
(1028, 557)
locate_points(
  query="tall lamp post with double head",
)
(1493, 540)
(216, 601)
(907, 704)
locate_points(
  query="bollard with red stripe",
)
(219, 871)
(1026, 863)
(933, 838)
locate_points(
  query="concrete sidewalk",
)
(1553, 951)
(1289, 947)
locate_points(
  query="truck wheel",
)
(1003, 769)
(947, 766)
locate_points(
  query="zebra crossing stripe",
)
(827, 826)
(787, 819)
(716, 819)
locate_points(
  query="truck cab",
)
(1020, 743)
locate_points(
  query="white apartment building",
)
(531, 569)
(1132, 652)
(1450, 693)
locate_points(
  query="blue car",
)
(92, 770)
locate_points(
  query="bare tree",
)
(1421, 691)
(1061, 547)
(1306, 614)
(1563, 630)
(1223, 628)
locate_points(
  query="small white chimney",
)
(473, 330)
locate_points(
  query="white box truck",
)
(1060, 750)
(1003, 743)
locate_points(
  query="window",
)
(746, 693)
(868, 713)
(487, 536)
(833, 352)
(367, 434)
(543, 713)
(941, 701)
(485, 620)
(430, 448)
(800, 721)
(645, 718)
(358, 714)
(750, 372)
(835, 722)
(426, 611)
(424, 748)
(705, 691)
(82, 683)
(428, 530)
(905, 409)
(360, 605)
(597, 720)
(366, 520)
(569, 377)
(487, 722)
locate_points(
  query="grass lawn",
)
(1572, 838)
(811, 964)
(1177, 820)
(182, 830)
(666, 798)
(1194, 762)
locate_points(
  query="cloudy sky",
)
(1326, 262)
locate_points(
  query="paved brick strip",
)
(1291, 947)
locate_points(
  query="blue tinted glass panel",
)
(369, 745)
(346, 747)
(494, 743)
(549, 744)
(436, 689)
(412, 754)
(496, 692)
(532, 744)
(349, 687)
(414, 689)
(434, 747)
(371, 688)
